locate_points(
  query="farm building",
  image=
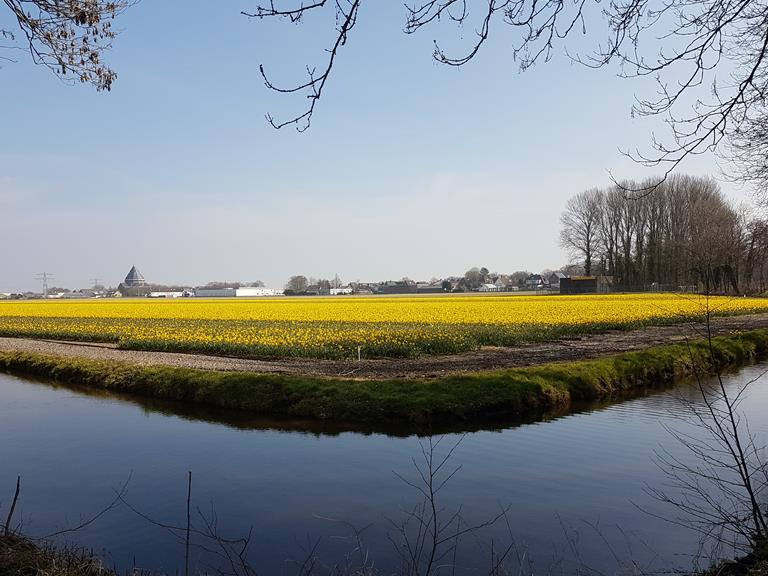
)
(173, 294)
(215, 292)
(318, 290)
(427, 288)
(397, 287)
(578, 285)
(256, 291)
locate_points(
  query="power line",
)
(44, 277)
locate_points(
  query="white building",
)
(340, 291)
(214, 292)
(165, 294)
(256, 292)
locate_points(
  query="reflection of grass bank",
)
(22, 557)
(753, 564)
(474, 397)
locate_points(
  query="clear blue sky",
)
(410, 168)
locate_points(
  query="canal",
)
(574, 486)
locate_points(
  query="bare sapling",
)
(719, 490)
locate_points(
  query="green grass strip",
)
(474, 397)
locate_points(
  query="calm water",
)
(565, 475)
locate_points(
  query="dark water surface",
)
(564, 475)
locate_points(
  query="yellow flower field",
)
(335, 327)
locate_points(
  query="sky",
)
(410, 168)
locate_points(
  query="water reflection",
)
(287, 478)
(243, 420)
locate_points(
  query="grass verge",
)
(464, 398)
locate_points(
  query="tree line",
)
(684, 233)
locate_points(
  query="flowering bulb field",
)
(335, 327)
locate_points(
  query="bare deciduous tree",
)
(580, 226)
(473, 278)
(67, 36)
(720, 492)
(297, 284)
(670, 238)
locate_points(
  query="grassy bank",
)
(20, 556)
(457, 398)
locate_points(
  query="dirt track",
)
(484, 359)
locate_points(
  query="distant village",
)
(570, 279)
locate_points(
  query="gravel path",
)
(591, 346)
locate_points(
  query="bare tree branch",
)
(346, 17)
(68, 37)
(683, 44)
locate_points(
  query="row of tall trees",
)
(683, 233)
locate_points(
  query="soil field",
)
(484, 359)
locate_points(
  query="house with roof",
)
(554, 279)
(535, 282)
(503, 282)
